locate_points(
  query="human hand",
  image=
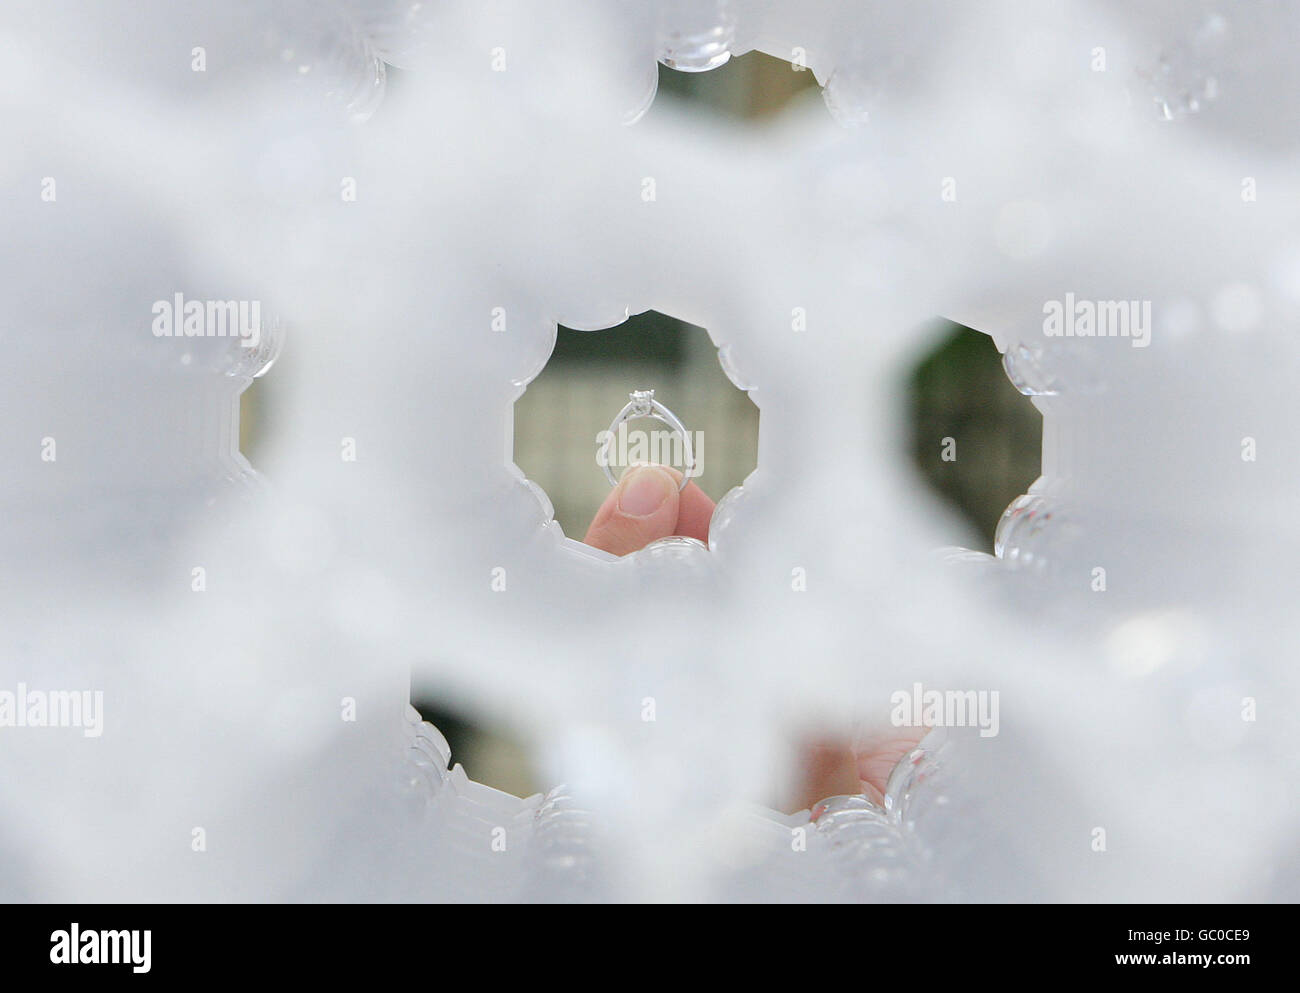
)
(837, 767)
(646, 506)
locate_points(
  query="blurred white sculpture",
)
(253, 644)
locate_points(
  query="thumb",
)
(642, 508)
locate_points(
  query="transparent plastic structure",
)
(411, 254)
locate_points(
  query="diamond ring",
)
(644, 404)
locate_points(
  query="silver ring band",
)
(644, 404)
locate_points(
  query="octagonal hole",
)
(975, 438)
(748, 87)
(587, 381)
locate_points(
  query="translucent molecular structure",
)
(411, 255)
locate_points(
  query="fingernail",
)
(643, 490)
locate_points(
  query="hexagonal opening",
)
(587, 381)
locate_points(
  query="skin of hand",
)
(645, 506)
(836, 767)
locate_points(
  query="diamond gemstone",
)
(641, 402)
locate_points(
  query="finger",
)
(642, 508)
(878, 755)
(694, 509)
(694, 512)
(826, 768)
